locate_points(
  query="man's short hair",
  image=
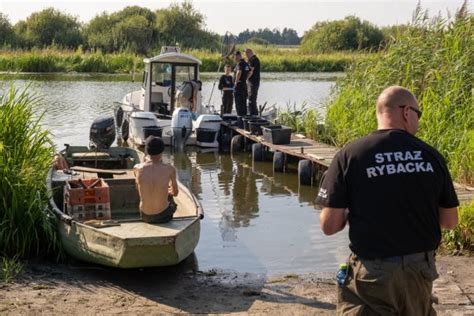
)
(154, 145)
(237, 53)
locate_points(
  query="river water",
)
(255, 220)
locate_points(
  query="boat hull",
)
(96, 245)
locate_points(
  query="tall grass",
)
(301, 119)
(462, 237)
(25, 155)
(275, 60)
(434, 59)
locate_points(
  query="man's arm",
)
(332, 220)
(174, 184)
(448, 217)
(237, 76)
(250, 72)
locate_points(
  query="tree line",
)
(140, 30)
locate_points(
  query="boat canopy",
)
(173, 58)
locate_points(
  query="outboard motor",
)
(102, 133)
(181, 127)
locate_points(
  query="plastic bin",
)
(248, 118)
(255, 127)
(277, 134)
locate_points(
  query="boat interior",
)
(124, 197)
(111, 158)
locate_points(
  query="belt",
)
(414, 257)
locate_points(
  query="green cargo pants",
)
(399, 285)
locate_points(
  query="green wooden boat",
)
(124, 241)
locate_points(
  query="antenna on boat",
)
(227, 48)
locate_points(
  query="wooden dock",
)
(321, 155)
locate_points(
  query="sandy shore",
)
(83, 289)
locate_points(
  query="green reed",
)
(274, 60)
(433, 58)
(10, 269)
(26, 152)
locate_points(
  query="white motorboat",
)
(169, 104)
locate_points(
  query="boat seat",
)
(90, 155)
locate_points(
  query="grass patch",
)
(25, 156)
(10, 269)
(461, 238)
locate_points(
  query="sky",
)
(236, 16)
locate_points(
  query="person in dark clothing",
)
(396, 193)
(240, 90)
(253, 80)
(226, 85)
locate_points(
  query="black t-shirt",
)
(392, 183)
(254, 63)
(225, 82)
(244, 71)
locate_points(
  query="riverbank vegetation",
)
(25, 156)
(272, 60)
(461, 239)
(433, 58)
(54, 41)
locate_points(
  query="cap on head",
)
(154, 145)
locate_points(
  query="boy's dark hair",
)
(154, 145)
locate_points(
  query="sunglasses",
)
(418, 112)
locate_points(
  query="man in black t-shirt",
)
(396, 193)
(253, 80)
(240, 90)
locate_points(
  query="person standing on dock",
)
(253, 81)
(226, 86)
(240, 90)
(156, 183)
(396, 193)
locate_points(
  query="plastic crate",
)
(276, 134)
(86, 191)
(87, 199)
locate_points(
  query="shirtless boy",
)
(156, 183)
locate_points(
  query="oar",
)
(96, 170)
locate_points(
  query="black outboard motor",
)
(102, 133)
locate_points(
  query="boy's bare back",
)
(155, 181)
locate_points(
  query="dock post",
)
(279, 161)
(305, 172)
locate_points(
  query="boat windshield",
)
(161, 74)
(185, 73)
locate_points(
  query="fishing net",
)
(228, 45)
(227, 49)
